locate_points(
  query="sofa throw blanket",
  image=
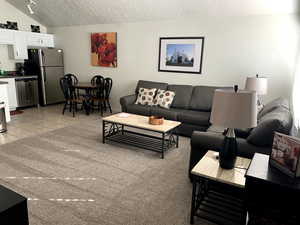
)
(145, 96)
(164, 98)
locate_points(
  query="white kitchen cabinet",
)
(40, 40)
(11, 91)
(19, 41)
(19, 49)
(48, 40)
(6, 37)
(4, 98)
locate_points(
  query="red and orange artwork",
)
(104, 49)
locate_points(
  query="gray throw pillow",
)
(278, 120)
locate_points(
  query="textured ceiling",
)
(83, 12)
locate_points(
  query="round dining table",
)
(88, 87)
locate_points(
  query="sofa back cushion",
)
(202, 98)
(278, 120)
(150, 84)
(183, 94)
(277, 103)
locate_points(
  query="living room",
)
(68, 167)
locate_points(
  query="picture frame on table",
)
(285, 154)
(181, 54)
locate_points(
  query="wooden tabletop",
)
(208, 167)
(141, 122)
(85, 85)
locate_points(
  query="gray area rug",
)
(71, 178)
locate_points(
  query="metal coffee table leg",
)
(163, 145)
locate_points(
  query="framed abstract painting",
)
(104, 49)
(181, 54)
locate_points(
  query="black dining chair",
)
(70, 95)
(98, 79)
(71, 78)
(107, 90)
(97, 94)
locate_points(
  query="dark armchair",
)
(275, 117)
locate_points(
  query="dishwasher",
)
(27, 91)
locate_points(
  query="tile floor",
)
(35, 121)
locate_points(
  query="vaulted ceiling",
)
(84, 12)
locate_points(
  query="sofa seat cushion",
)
(241, 133)
(183, 94)
(203, 141)
(193, 117)
(166, 113)
(278, 120)
(150, 84)
(139, 109)
(202, 98)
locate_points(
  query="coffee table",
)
(219, 194)
(114, 129)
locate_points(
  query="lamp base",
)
(228, 153)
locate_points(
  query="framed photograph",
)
(285, 154)
(181, 54)
(104, 49)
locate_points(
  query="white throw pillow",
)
(145, 96)
(164, 98)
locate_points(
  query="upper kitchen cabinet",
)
(19, 41)
(19, 49)
(40, 40)
(6, 37)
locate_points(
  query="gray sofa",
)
(274, 117)
(191, 105)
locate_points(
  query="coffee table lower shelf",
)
(117, 133)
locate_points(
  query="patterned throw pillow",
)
(145, 96)
(164, 98)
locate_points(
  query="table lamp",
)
(258, 84)
(233, 108)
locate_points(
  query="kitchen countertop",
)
(18, 76)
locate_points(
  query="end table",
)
(271, 196)
(13, 208)
(218, 194)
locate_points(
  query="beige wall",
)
(10, 13)
(235, 47)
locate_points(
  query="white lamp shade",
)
(234, 109)
(258, 84)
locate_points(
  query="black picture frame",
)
(179, 69)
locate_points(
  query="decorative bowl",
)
(156, 120)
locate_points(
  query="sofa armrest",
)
(127, 100)
(201, 142)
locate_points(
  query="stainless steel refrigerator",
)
(48, 64)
